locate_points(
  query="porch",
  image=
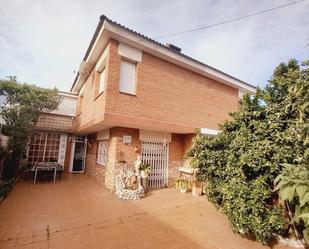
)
(77, 212)
(110, 150)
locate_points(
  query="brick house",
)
(136, 96)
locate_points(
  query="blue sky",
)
(43, 42)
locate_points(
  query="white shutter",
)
(62, 149)
(127, 77)
(102, 81)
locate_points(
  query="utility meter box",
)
(127, 139)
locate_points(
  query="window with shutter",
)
(127, 77)
(102, 152)
(102, 81)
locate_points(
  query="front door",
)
(156, 154)
(78, 156)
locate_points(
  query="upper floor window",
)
(127, 77)
(102, 81)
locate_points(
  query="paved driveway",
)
(78, 213)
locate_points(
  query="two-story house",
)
(136, 96)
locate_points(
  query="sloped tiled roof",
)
(105, 18)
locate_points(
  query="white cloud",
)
(43, 42)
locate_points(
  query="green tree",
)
(21, 105)
(242, 162)
(293, 182)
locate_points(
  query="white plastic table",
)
(45, 166)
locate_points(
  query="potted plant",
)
(144, 169)
(183, 185)
(197, 187)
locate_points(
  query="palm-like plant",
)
(293, 187)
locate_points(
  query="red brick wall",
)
(188, 141)
(92, 144)
(93, 169)
(91, 106)
(176, 148)
(119, 153)
(167, 93)
(168, 97)
(126, 150)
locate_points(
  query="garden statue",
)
(128, 185)
(137, 163)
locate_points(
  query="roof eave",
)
(132, 38)
(93, 39)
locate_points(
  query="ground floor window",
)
(102, 152)
(44, 147)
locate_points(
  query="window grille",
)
(102, 152)
(44, 147)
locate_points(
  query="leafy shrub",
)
(182, 183)
(5, 187)
(293, 186)
(20, 109)
(146, 167)
(242, 161)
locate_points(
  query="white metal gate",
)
(156, 154)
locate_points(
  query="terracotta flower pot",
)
(183, 190)
(197, 189)
(144, 174)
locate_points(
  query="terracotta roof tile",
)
(105, 18)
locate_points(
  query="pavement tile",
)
(9, 243)
(79, 213)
